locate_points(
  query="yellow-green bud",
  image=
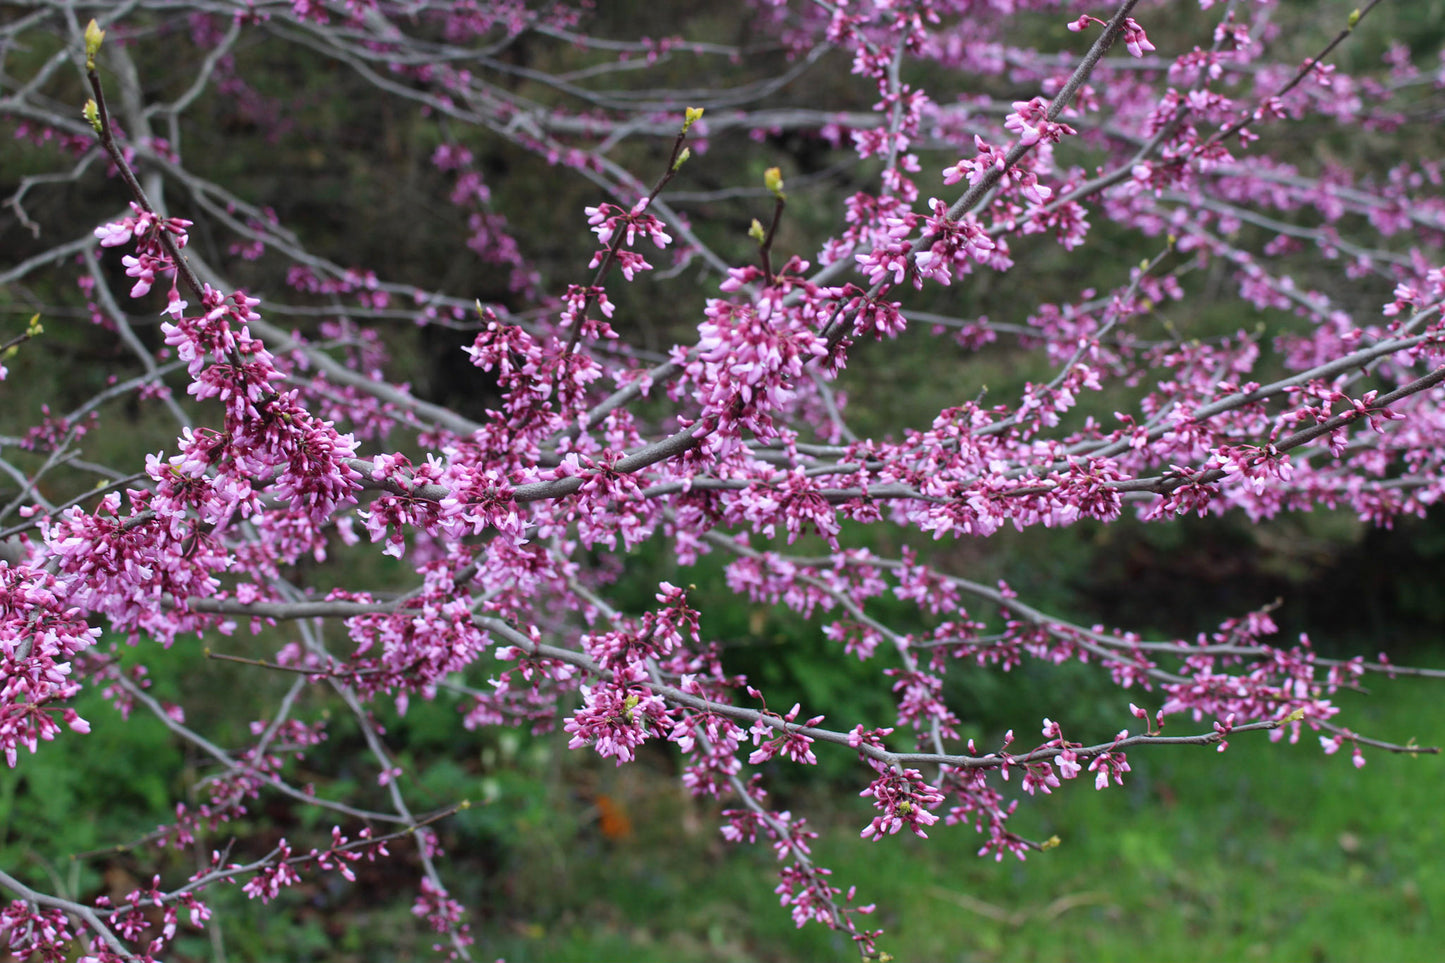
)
(756, 231)
(682, 158)
(91, 113)
(93, 36)
(691, 116)
(773, 181)
(1354, 17)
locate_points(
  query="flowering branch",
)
(475, 551)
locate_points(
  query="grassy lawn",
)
(1267, 852)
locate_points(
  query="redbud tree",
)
(685, 392)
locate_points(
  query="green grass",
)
(1266, 852)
